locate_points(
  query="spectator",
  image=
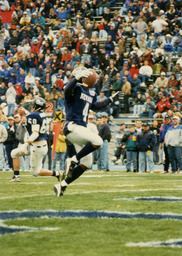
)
(106, 85)
(6, 15)
(152, 92)
(156, 131)
(152, 42)
(35, 47)
(111, 30)
(145, 72)
(40, 20)
(145, 143)
(177, 70)
(168, 49)
(120, 147)
(140, 28)
(135, 9)
(173, 143)
(102, 7)
(11, 142)
(178, 45)
(176, 111)
(161, 81)
(159, 62)
(85, 51)
(104, 133)
(163, 130)
(162, 106)
(12, 78)
(116, 85)
(129, 139)
(135, 84)
(138, 106)
(25, 20)
(172, 82)
(158, 23)
(63, 13)
(179, 97)
(30, 78)
(11, 99)
(60, 151)
(142, 43)
(126, 89)
(148, 108)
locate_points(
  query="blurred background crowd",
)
(134, 46)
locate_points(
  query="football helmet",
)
(38, 104)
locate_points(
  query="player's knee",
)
(87, 163)
(97, 142)
(15, 153)
(34, 172)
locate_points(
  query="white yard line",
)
(90, 192)
(170, 243)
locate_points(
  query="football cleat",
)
(15, 179)
(69, 166)
(59, 190)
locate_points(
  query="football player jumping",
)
(36, 144)
(79, 99)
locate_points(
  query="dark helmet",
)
(38, 104)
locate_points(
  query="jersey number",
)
(85, 112)
(43, 128)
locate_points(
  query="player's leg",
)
(15, 154)
(87, 139)
(36, 156)
(75, 173)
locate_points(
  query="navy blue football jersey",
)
(37, 118)
(77, 106)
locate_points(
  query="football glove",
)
(80, 73)
(113, 96)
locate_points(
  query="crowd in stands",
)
(135, 47)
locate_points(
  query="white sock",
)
(57, 173)
(74, 159)
(64, 184)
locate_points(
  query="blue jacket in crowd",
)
(163, 130)
(145, 141)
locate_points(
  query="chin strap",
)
(83, 84)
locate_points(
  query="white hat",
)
(168, 35)
(163, 74)
(3, 105)
(17, 115)
(37, 78)
(91, 116)
(176, 117)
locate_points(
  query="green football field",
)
(100, 214)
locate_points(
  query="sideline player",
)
(79, 99)
(36, 144)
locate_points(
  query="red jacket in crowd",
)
(6, 16)
(35, 47)
(163, 106)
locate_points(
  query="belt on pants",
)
(42, 146)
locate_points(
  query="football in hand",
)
(91, 79)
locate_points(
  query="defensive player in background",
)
(79, 99)
(36, 143)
